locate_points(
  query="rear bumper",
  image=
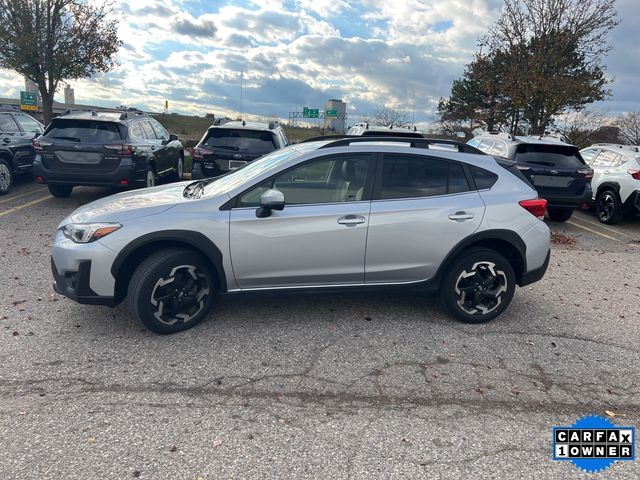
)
(75, 285)
(199, 171)
(633, 202)
(536, 274)
(122, 173)
(568, 201)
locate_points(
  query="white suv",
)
(616, 180)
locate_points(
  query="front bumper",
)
(76, 285)
(114, 178)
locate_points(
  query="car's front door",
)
(158, 147)
(422, 207)
(318, 238)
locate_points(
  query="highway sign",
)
(331, 113)
(28, 101)
(305, 112)
(314, 113)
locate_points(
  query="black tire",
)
(488, 275)
(177, 175)
(172, 290)
(609, 208)
(6, 176)
(60, 190)
(150, 177)
(559, 214)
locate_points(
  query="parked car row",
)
(605, 176)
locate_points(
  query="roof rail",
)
(506, 135)
(617, 145)
(347, 140)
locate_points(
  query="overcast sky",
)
(295, 53)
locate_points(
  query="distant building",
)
(339, 123)
(31, 87)
(69, 95)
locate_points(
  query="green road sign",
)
(28, 101)
(305, 112)
(332, 113)
(314, 113)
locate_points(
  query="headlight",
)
(88, 232)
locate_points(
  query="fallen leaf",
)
(173, 449)
(137, 473)
(92, 440)
(529, 343)
(479, 391)
(435, 375)
(368, 319)
(404, 440)
(610, 413)
(515, 390)
(282, 421)
(217, 442)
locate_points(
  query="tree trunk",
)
(47, 106)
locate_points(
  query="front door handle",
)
(351, 220)
(461, 216)
(607, 172)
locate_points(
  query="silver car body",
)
(351, 243)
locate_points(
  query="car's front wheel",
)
(559, 214)
(60, 191)
(172, 290)
(609, 208)
(478, 286)
(177, 176)
(150, 177)
(6, 176)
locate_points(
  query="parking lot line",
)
(24, 205)
(593, 231)
(5, 200)
(599, 225)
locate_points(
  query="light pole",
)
(241, 106)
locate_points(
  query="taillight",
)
(535, 206)
(198, 153)
(635, 173)
(122, 150)
(39, 145)
(586, 173)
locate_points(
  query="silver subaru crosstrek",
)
(346, 213)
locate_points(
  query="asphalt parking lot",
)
(313, 386)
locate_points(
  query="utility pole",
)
(241, 106)
(413, 122)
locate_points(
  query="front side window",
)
(415, 177)
(28, 124)
(7, 125)
(338, 179)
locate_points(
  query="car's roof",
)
(626, 150)
(525, 139)
(102, 116)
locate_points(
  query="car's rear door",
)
(318, 239)
(82, 145)
(422, 207)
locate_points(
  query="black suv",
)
(105, 149)
(234, 144)
(17, 129)
(554, 168)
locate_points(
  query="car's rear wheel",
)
(609, 208)
(172, 290)
(60, 190)
(559, 214)
(6, 176)
(150, 177)
(179, 169)
(478, 286)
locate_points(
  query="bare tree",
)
(49, 41)
(579, 127)
(629, 125)
(386, 116)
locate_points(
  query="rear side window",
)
(148, 130)
(589, 154)
(7, 124)
(84, 131)
(558, 156)
(251, 141)
(136, 131)
(484, 179)
(28, 124)
(415, 177)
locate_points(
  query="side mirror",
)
(173, 137)
(270, 200)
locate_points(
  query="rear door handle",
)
(461, 216)
(351, 220)
(606, 172)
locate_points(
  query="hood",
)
(125, 206)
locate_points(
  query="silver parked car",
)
(325, 214)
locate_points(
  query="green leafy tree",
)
(49, 41)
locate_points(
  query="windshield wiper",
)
(71, 139)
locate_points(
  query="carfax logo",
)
(593, 443)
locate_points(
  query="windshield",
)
(242, 140)
(256, 168)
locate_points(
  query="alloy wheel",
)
(181, 295)
(151, 178)
(5, 177)
(479, 290)
(606, 206)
